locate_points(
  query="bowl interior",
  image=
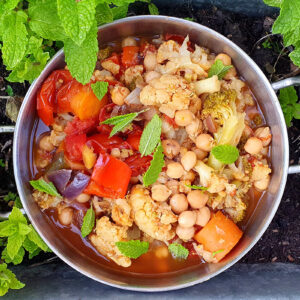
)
(147, 25)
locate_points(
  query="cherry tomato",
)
(138, 164)
(77, 126)
(73, 145)
(134, 141)
(130, 56)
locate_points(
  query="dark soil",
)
(281, 242)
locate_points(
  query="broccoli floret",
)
(221, 106)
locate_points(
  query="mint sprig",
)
(88, 222)
(226, 154)
(150, 136)
(133, 248)
(178, 251)
(155, 167)
(46, 187)
(100, 89)
(219, 69)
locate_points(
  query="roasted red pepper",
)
(138, 164)
(46, 98)
(130, 56)
(111, 177)
(77, 126)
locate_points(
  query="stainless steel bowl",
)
(262, 215)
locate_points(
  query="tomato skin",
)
(179, 39)
(102, 143)
(73, 145)
(134, 141)
(105, 112)
(145, 47)
(112, 176)
(46, 98)
(138, 164)
(130, 56)
(77, 126)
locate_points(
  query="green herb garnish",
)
(219, 69)
(226, 154)
(133, 248)
(178, 251)
(88, 222)
(46, 187)
(100, 89)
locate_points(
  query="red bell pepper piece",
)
(46, 98)
(103, 143)
(134, 141)
(130, 56)
(138, 164)
(111, 176)
(73, 145)
(77, 126)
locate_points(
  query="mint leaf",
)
(14, 38)
(77, 18)
(35, 238)
(34, 253)
(288, 22)
(226, 154)
(10, 197)
(43, 186)
(155, 167)
(288, 100)
(275, 3)
(14, 243)
(216, 252)
(153, 9)
(120, 12)
(150, 136)
(16, 216)
(8, 280)
(23, 229)
(9, 91)
(10, 4)
(120, 122)
(103, 14)
(88, 222)
(295, 55)
(100, 89)
(2, 164)
(7, 228)
(219, 69)
(81, 60)
(133, 248)
(16, 260)
(178, 251)
(197, 187)
(29, 245)
(44, 20)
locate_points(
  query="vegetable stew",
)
(157, 163)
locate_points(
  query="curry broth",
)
(148, 263)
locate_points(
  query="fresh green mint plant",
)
(29, 28)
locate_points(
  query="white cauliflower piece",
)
(209, 178)
(200, 57)
(260, 171)
(206, 255)
(234, 84)
(167, 51)
(134, 75)
(110, 66)
(105, 238)
(44, 200)
(121, 212)
(152, 218)
(208, 85)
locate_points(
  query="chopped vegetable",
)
(219, 233)
(138, 164)
(89, 157)
(74, 145)
(130, 56)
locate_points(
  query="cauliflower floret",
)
(103, 75)
(45, 200)
(105, 238)
(152, 218)
(133, 75)
(199, 56)
(206, 255)
(235, 207)
(167, 51)
(110, 66)
(169, 93)
(209, 178)
(121, 212)
(56, 137)
(260, 171)
(234, 84)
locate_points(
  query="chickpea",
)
(82, 198)
(185, 233)
(175, 170)
(150, 61)
(171, 148)
(179, 203)
(184, 117)
(160, 192)
(151, 75)
(203, 216)
(118, 94)
(173, 185)
(204, 142)
(200, 153)
(197, 199)
(194, 128)
(188, 176)
(230, 73)
(161, 252)
(187, 219)
(264, 134)
(129, 41)
(189, 160)
(45, 143)
(253, 145)
(226, 59)
(66, 215)
(262, 184)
